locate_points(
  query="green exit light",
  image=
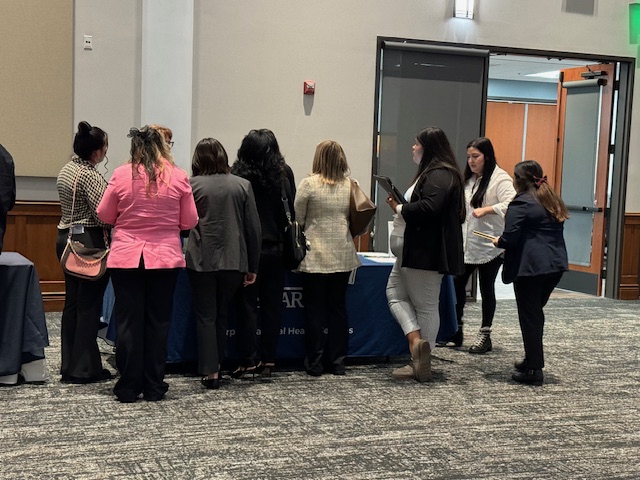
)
(634, 23)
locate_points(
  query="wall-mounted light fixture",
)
(463, 8)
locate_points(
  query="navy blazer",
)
(532, 239)
(433, 235)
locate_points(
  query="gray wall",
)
(251, 58)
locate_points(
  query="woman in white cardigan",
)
(488, 191)
(322, 208)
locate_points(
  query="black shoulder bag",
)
(294, 247)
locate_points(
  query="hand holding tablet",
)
(385, 183)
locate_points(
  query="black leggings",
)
(487, 274)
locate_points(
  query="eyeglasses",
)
(170, 144)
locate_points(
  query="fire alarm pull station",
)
(309, 87)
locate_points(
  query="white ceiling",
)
(515, 67)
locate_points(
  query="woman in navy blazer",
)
(535, 258)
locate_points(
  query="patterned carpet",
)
(471, 422)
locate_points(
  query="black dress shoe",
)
(153, 398)
(101, 377)
(521, 366)
(454, 341)
(210, 383)
(529, 377)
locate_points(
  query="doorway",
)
(525, 117)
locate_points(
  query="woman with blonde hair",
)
(149, 200)
(322, 208)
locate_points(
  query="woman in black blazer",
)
(427, 239)
(261, 162)
(535, 257)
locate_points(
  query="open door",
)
(585, 106)
(420, 85)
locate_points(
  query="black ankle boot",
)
(483, 341)
(529, 377)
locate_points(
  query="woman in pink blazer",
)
(148, 200)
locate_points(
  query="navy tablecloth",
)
(23, 329)
(372, 329)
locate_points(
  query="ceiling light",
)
(553, 74)
(463, 9)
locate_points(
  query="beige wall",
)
(36, 84)
(251, 57)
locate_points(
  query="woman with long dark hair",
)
(488, 189)
(260, 162)
(223, 250)
(80, 188)
(427, 241)
(534, 260)
(148, 200)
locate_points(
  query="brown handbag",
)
(83, 262)
(361, 210)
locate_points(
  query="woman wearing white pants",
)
(427, 240)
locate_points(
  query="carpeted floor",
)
(471, 422)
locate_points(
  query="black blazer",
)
(433, 235)
(7, 189)
(532, 239)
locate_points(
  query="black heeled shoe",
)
(454, 341)
(210, 383)
(241, 371)
(265, 369)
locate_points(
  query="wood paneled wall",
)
(32, 231)
(505, 127)
(630, 275)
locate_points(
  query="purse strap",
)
(73, 204)
(285, 202)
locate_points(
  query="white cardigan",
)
(500, 192)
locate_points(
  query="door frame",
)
(581, 275)
(622, 118)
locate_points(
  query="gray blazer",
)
(228, 235)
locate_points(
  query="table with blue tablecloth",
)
(23, 330)
(372, 330)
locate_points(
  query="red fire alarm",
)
(309, 87)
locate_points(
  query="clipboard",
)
(385, 183)
(484, 235)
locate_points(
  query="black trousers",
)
(532, 294)
(143, 307)
(81, 313)
(265, 294)
(487, 274)
(325, 308)
(212, 294)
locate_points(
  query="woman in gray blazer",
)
(223, 250)
(322, 208)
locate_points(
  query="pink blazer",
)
(147, 221)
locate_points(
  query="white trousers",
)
(413, 297)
